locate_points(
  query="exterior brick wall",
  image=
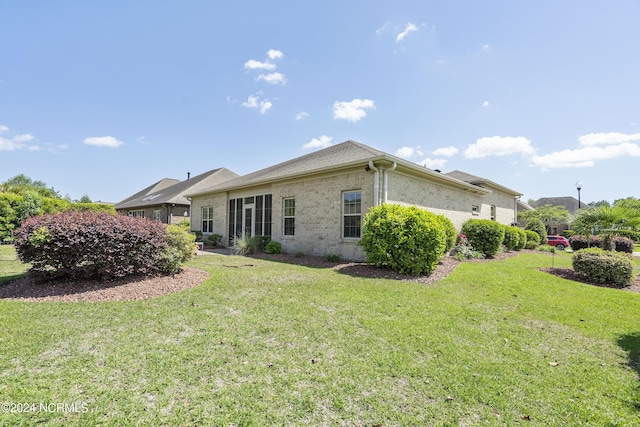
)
(318, 207)
(454, 204)
(318, 215)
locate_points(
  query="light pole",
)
(579, 187)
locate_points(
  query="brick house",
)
(165, 200)
(314, 204)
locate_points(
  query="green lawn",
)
(265, 343)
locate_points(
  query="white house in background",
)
(315, 203)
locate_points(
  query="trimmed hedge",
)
(511, 237)
(533, 239)
(617, 243)
(537, 226)
(404, 238)
(85, 244)
(604, 267)
(450, 229)
(484, 235)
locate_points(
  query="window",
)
(289, 216)
(156, 214)
(136, 214)
(493, 212)
(351, 214)
(248, 212)
(475, 210)
(207, 219)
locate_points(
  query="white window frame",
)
(207, 216)
(357, 207)
(291, 215)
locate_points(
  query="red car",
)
(558, 241)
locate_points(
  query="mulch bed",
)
(136, 288)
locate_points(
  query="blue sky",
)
(106, 98)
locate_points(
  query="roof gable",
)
(332, 157)
(481, 182)
(174, 191)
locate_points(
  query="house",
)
(314, 204)
(165, 200)
(571, 204)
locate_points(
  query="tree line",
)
(22, 197)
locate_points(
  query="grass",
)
(264, 343)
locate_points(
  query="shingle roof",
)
(481, 182)
(568, 202)
(339, 156)
(334, 156)
(174, 191)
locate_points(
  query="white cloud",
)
(486, 47)
(251, 102)
(445, 151)
(584, 157)
(434, 163)
(273, 78)
(352, 110)
(607, 138)
(252, 64)
(265, 106)
(274, 54)
(408, 29)
(103, 141)
(15, 142)
(407, 152)
(256, 102)
(384, 28)
(498, 146)
(302, 115)
(486, 104)
(322, 142)
(142, 140)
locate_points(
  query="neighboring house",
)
(569, 203)
(165, 200)
(314, 204)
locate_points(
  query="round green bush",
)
(537, 226)
(484, 235)
(179, 249)
(404, 238)
(533, 239)
(511, 237)
(604, 267)
(522, 238)
(450, 229)
(273, 247)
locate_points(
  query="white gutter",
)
(385, 178)
(376, 183)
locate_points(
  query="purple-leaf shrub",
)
(79, 245)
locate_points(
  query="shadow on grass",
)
(631, 344)
(6, 279)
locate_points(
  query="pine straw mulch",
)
(137, 288)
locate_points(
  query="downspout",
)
(376, 183)
(385, 177)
